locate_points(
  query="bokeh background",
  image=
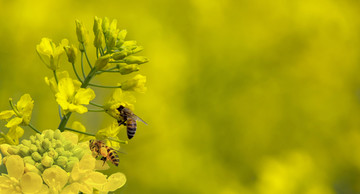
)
(243, 96)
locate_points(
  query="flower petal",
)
(6, 114)
(55, 177)
(96, 180)
(14, 122)
(15, 133)
(100, 165)
(72, 137)
(31, 182)
(84, 96)
(87, 162)
(73, 188)
(115, 181)
(15, 166)
(66, 88)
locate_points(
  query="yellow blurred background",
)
(243, 96)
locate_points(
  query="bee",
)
(98, 147)
(130, 118)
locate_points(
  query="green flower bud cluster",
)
(119, 49)
(48, 149)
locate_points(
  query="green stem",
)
(87, 56)
(98, 105)
(14, 108)
(100, 86)
(82, 64)
(76, 131)
(55, 76)
(76, 73)
(101, 51)
(63, 122)
(99, 110)
(88, 78)
(32, 127)
(97, 53)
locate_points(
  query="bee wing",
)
(139, 119)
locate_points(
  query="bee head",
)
(121, 107)
(91, 142)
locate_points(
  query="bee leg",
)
(121, 122)
(103, 159)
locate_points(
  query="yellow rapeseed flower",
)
(110, 132)
(136, 84)
(19, 181)
(71, 97)
(12, 136)
(22, 112)
(50, 53)
(119, 98)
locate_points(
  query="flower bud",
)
(70, 165)
(81, 32)
(111, 39)
(136, 60)
(4, 149)
(68, 146)
(47, 161)
(101, 62)
(32, 139)
(53, 154)
(97, 25)
(28, 159)
(57, 134)
(137, 49)
(46, 144)
(105, 25)
(71, 53)
(26, 142)
(137, 84)
(67, 153)
(119, 55)
(36, 156)
(24, 151)
(62, 161)
(39, 166)
(39, 137)
(99, 39)
(49, 134)
(31, 168)
(13, 150)
(121, 38)
(126, 69)
(33, 148)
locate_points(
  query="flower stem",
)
(76, 73)
(55, 76)
(100, 86)
(63, 122)
(87, 56)
(99, 110)
(82, 64)
(76, 131)
(32, 127)
(60, 115)
(98, 105)
(14, 108)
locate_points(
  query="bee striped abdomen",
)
(113, 157)
(131, 128)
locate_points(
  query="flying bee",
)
(130, 118)
(99, 148)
